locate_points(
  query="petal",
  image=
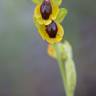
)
(55, 11)
(57, 2)
(37, 13)
(41, 30)
(46, 36)
(46, 22)
(60, 33)
(40, 20)
(50, 40)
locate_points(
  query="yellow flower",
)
(52, 33)
(46, 11)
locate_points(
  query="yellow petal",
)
(41, 30)
(51, 40)
(60, 33)
(55, 11)
(41, 21)
(57, 2)
(37, 13)
(46, 22)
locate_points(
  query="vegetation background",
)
(25, 67)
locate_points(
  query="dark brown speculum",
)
(46, 9)
(52, 29)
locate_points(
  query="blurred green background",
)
(25, 67)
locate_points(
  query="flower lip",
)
(46, 9)
(52, 29)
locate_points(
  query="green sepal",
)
(37, 1)
(61, 15)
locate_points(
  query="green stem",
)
(61, 67)
(62, 70)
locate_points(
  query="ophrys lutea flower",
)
(52, 33)
(46, 11)
(47, 17)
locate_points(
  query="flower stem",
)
(62, 70)
(61, 66)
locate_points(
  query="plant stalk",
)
(62, 69)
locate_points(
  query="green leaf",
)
(37, 1)
(70, 77)
(57, 2)
(62, 14)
